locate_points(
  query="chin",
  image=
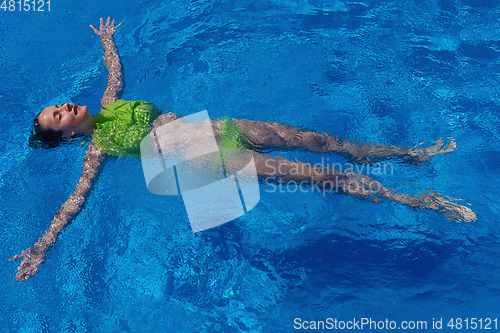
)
(86, 114)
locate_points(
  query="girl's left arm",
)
(112, 61)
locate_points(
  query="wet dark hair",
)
(44, 137)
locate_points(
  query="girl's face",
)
(68, 117)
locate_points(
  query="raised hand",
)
(32, 260)
(106, 30)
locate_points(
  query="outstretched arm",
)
(112, 61)
(34, 256)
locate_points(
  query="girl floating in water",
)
(121, 125)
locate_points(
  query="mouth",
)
(75, 109)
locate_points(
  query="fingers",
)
(106, 28)
(16, 258)
(28, 267)
(94, 28)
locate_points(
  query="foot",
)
(421, 155)
(451, 210)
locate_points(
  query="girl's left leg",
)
(268, 135)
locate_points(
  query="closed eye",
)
(57, 117)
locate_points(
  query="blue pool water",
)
(393, 72)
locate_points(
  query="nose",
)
(67, 107)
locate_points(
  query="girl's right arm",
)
(33, 257)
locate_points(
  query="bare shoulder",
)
(94, 153)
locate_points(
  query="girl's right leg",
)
(276, 169)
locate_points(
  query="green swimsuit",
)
(232, 136)
(121, 126)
